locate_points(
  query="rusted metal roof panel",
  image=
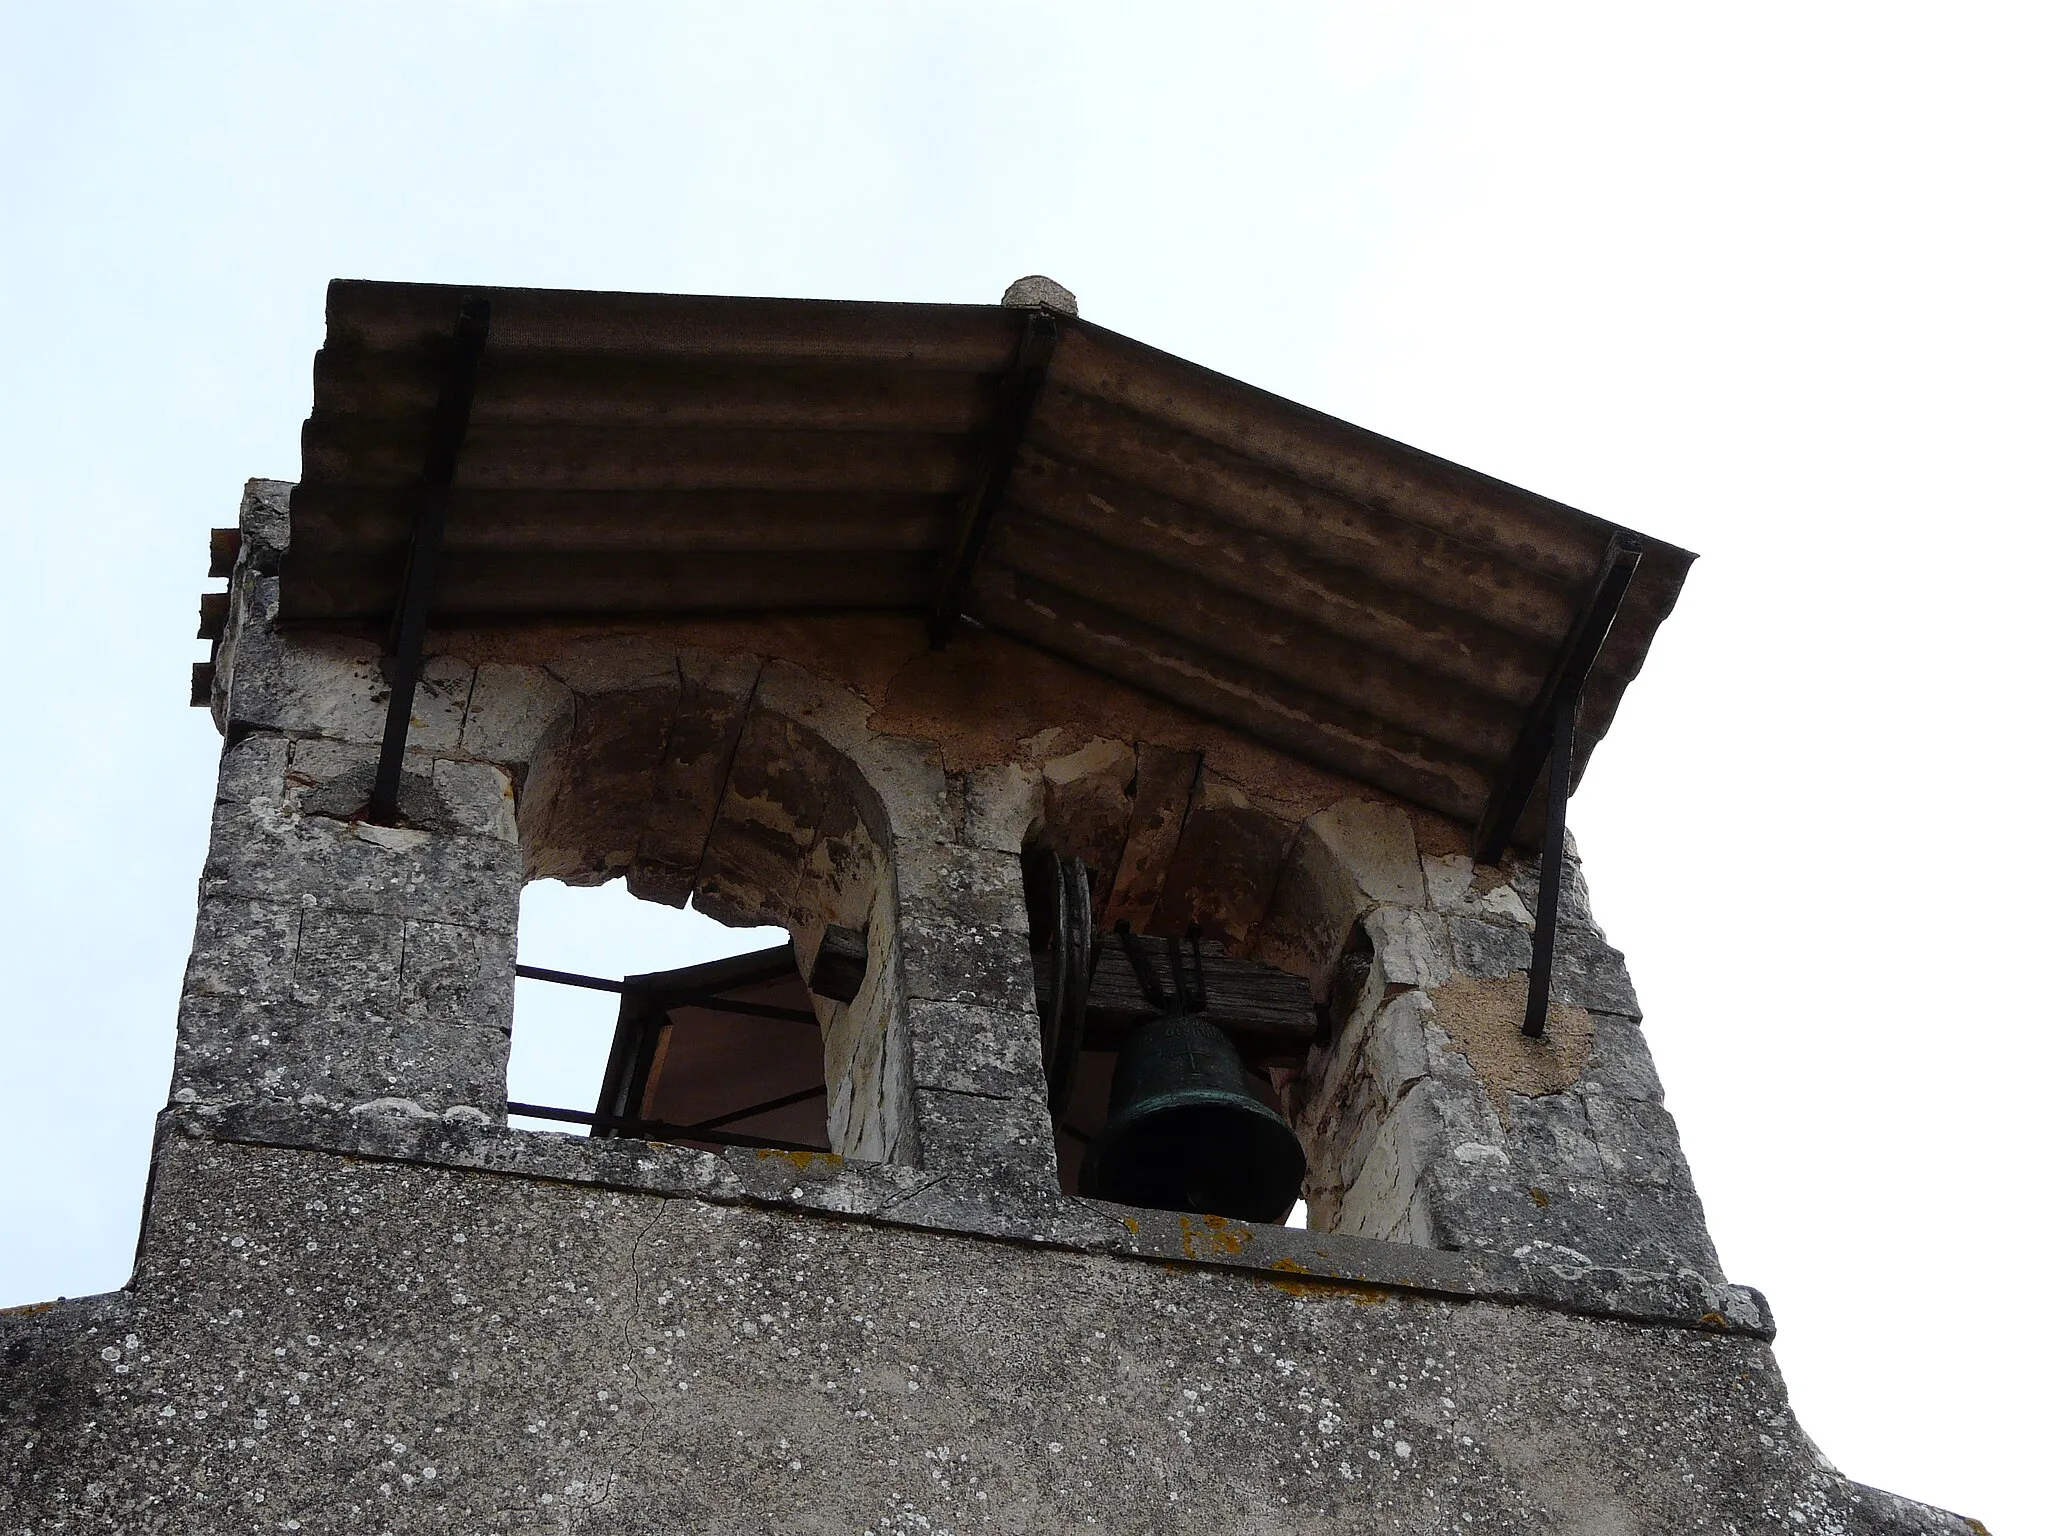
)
(1367, 606)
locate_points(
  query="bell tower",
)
(1164, 789)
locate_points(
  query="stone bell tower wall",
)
(363, 1303)
(839, 771)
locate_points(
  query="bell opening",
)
(1166, 1056)
(1209, 1157)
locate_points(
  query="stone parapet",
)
(324, 1343)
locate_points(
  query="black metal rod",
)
(568, 978)
(804, 1096)
(653, 1129)
(665, 1000)
(1006, 435)
(1563, 729)
(1568, 673)
(409, 626)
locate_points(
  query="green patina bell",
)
(1186, 1133)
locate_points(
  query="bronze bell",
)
(1185, 1132)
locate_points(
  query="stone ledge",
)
(899, 1195)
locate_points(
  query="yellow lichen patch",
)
(1541, 1197)
(1484, 1021)
(1132, 1223)
(1713, 1320)
(800, 1160)
(28, 1309)
(1215, 1237)
(1308, 1284)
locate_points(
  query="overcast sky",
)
(1763, 280)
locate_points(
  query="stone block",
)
(589, 804)
(348, 960)
(1488, 951)
(254, 769)
(998, 1144)
(1374, 844)
(259, 852)
(945, 960)
(451, 975)
(614, 663)
(1638, 1142)
(511, 710)
(1410, 946)
(334, 779)
(1568, 1222)
(341, 1056)
(1589, 973)
(903, 781)
(1619, 1062)
(476, 798)
(318, 684)
(1456, 886)
(1224, 866)
(1087, 799)
(266, 523)
(981, 887)
(690, 778)
(1163, 787)
(964, 1048)
(999, 804)
(1549, 1139)
(1377, 1203)
(1397, 1046)
(243, 949)
(1524, 871)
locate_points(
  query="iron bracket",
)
(1567, 679)
(409, 623)
(1549, 735)
(1006, 435)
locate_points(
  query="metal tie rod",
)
(409, 624)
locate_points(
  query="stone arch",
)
(761, 792)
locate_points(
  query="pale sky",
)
(1763, 280)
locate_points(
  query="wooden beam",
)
(1266, 1011)
(1006, 434)
(1164, 789)
(840, 967)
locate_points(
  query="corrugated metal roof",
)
(1366, 606)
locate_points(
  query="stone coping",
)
(899, 1195)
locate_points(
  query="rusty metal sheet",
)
(1364, 605)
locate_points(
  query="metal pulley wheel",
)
(1063, 932)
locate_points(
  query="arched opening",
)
(591, 1006)
(721, 863)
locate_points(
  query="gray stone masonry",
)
(318, 1343)
(1430, 1119)
(363, 1304)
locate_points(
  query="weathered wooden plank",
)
(1165, 781)
(1265, 1011)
